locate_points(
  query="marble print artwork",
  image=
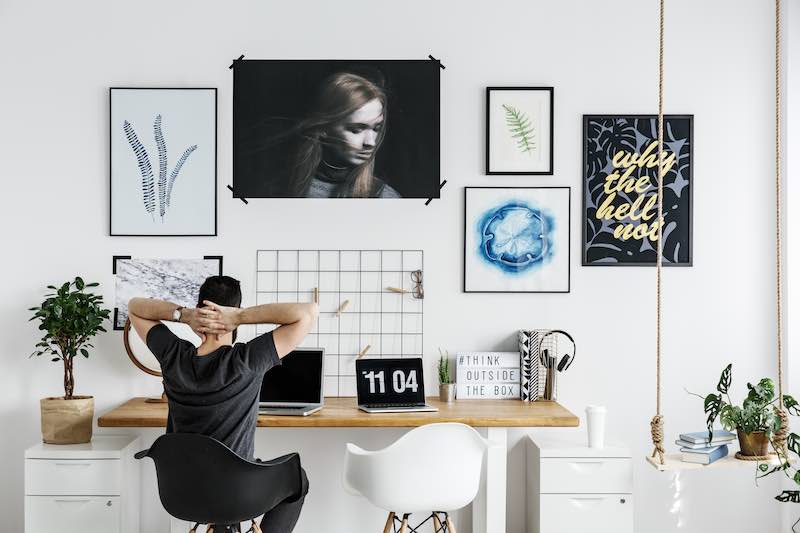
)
(175, 280)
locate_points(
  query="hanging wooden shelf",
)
(672, 462)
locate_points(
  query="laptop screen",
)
(383, 381)
(298, 379)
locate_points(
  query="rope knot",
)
(779, 439)
(657, 435)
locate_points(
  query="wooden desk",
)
(343, 412)
(489, 507)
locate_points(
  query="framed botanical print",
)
(516, 239)
(519, 130)
(620, 190)
(163, 145)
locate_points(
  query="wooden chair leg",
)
(389, 521)
(450, 527)
(437, 523)
(210, 528)
(404, 523)
(256, 527)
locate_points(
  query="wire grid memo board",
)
(389, 322)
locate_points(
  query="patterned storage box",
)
(532, 373)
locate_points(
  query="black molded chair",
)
(203, 481)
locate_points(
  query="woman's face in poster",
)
(355, 140)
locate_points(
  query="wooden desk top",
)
(343, 412)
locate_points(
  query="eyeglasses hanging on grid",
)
(417, 292)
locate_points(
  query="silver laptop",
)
(293, 388)
(391, 385)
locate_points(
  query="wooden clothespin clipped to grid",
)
(397, 290)
(363, 352)
(316, 295)
(342, 307)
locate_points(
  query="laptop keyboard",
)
(392, 405)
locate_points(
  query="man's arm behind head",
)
(295, 321)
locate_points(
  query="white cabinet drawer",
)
(72, 514)
(92, 477)
(586, 475)
(579, 513)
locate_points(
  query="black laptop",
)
(391, 385)
(295, 386)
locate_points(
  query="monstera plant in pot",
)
(756, 420)
(70, 317)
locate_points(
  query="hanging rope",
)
(780, 435)
(657, 423)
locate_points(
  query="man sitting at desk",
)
(214, 389)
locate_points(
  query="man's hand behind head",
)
(218, 318)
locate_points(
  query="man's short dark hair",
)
(222, 290)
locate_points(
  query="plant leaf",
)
(520, 128)
(174, 175)
(162, 166)
(145, 169)
(791, 404)
(789, 496)
(725, 380)
(711, 406)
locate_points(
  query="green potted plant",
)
(69, 317)
(447, 387)
(755, 421)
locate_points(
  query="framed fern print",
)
(163, 159)
(519, 130)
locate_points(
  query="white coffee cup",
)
(596, 425)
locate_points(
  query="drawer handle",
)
(80, 500)
(74, 464)
(586, 465)
(582, 502)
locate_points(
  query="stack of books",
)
(697, 448)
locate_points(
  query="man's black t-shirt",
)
(215, 394)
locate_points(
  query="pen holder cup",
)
(550, 384)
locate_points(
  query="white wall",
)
(59, 59)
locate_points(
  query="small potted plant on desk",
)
(70, 318)
(447, 387)
(755, 422)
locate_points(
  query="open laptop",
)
(391, 385)
(295, 386)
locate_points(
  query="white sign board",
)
(487, 375)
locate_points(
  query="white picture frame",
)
(517, 239)
(163, 161)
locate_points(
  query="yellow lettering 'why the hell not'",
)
(642, 208)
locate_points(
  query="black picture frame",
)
(116, 258)
(488, 169)
(568, 247)
(689, 170)
(216, 162)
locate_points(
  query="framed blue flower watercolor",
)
(516, 239)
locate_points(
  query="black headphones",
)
(567, 359)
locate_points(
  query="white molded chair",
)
(433, 468)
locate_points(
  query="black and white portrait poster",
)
(336, 129)
(620, 190)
